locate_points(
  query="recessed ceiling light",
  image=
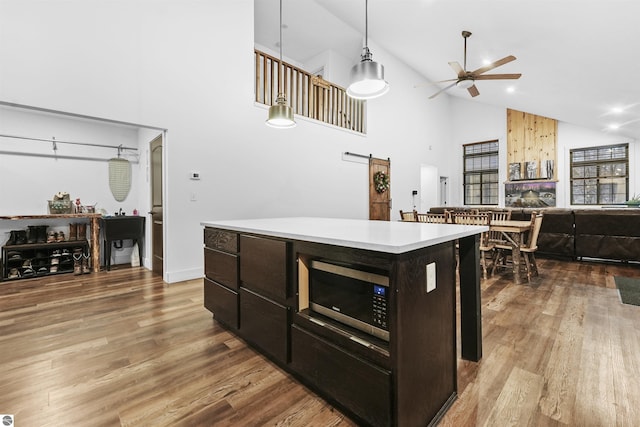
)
(617, 110)
(511, 89)
(486, 61)
(614, 126)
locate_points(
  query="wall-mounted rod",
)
(57, 141)
(346, 153)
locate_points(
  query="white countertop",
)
(384, 236)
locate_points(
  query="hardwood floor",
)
(124, 348)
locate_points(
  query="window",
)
(481, 173)
(600, 175)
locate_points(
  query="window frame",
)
(482, 173)
(598, 163)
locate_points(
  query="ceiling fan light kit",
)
(367, 76)
(467, 79)
(280, 114)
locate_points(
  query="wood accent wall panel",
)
(531, 137)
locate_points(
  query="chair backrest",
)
(408, 216)
(471, 218)
(536, 223)
(501, 215)
(432, 218)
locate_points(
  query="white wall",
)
(187, 66)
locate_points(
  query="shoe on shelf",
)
(85, 263)
(14, 256)
(41, 236)
(28, 272)
(14, 273)
(33, 234)
(43, 270)
(52, 237)
(60, 237)
(54, 269)
(21, 237)
(55, 261)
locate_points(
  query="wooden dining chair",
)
(486, 247)
(497, 237)
(432, 218)
(503, 256)
(408, 216)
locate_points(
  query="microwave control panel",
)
(380, 306)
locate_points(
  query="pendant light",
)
(367, 77)
(280, 114)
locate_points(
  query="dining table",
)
(513, 232)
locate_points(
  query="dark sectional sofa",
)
(612, 234)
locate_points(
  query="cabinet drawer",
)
(222, 302)
(221, 267)
(263, 266)
(221, 239)
(361, 387)
(265, 323)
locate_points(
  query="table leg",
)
(95, 244)
(516, 258)
(470, 302)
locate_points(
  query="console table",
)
(257, 285)
(121, 227)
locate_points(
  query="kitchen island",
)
(259, 283)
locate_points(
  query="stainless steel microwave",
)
(350, 295)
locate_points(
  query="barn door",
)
(379, 189)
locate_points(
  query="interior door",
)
(379, 201)
(157, 247)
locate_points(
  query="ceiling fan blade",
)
(457, 68)
(473, 91)
(434, 83)
(493, 65)
(498, 76)
(442, 90)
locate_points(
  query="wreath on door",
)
(381, 181)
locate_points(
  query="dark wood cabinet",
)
(361, 386)
(221, 269)
(222, 302)
(265, 323)
(264, 266)
(259, 286)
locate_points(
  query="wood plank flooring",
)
(122, 348)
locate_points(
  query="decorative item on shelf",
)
(381, 181)
(633, 202)
(546, 169)
(515, 172)
(532, 169)
(61, 204)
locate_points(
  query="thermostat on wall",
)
(194, 175)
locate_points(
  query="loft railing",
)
(308, 95)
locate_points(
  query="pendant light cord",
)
(280, 82)
(366, 23)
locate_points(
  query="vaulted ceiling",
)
(576, 56)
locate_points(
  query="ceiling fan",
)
(467, 79)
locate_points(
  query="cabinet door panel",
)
(263, 266)
(220, 239)
(265, 323)
(221, 267)
(222, 302)
(360, 386)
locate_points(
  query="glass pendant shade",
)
(280, 114)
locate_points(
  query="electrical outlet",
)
(431, 277)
